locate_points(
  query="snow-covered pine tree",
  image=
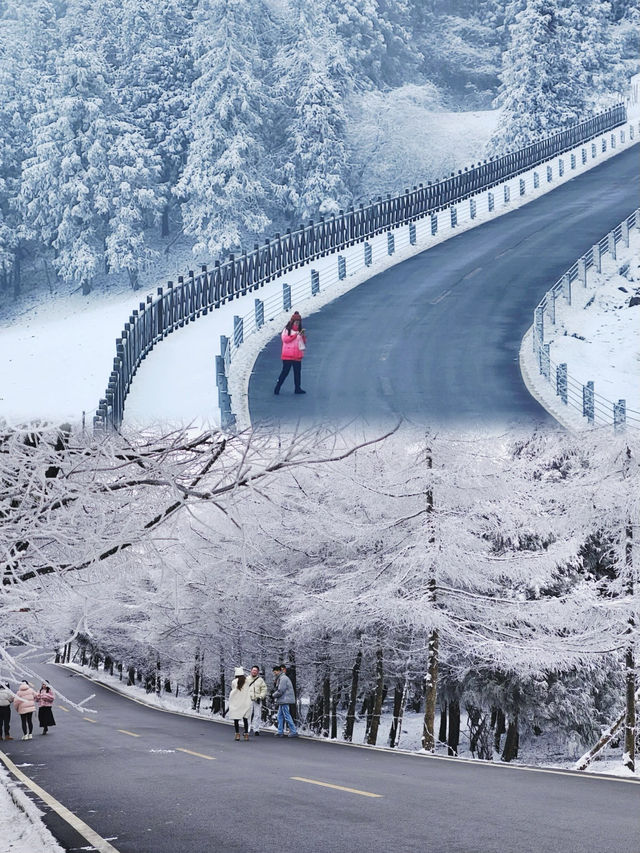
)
(225, 184)
(541, 85)
(152, 76)
(89, 188)
(589, 22)
(313, 78)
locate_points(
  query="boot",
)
(238, 736)
(246, 736)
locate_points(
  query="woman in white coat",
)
(239, 706)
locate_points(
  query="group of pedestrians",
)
(248, 695)
(25, 700)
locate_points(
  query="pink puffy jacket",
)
(25, 701)
(290, 349)
(45, 698)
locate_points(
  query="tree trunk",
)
(629, 757)
(326, 705)
(377, 704)
(164, 222)
(430, 685)
(394, 731)
(453, 739)
(500, 729)
(197, 681)
(131, 673)
(442, 731)
(603, 740)
(353, 698)
(334, 716)
(512, 740)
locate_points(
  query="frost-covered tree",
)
(225, 184)
(541, 87)
(313, 78)
(589, 22)
(89, 186)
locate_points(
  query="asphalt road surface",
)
(154, 782)
(435, 339)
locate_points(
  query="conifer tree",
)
(541, 86)
(225, 186)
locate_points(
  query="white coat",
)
(239, 700)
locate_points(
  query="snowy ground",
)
(21, 827)
(597, 336)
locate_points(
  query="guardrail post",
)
(549, 174)
(367, 254)
(582, 271)
(631, 133)
(238, 330)
(221, 377)
(624, 229)
(391, 243)
(545, 361)
(539, 326)
(454, 217)
(566, 287)
(507, 193)
(412, 234)
(315, 282)
(536, 180)
(561, 382)
(597, 261)
(613, 140)
(573, 161)
(604, 144)
(286, 296)
(434, 224)
(342, 267)
(551, 305)
(588, 407)
(491, 202)
(619, 415)
(522, 186)
(472, 208)
(259, 313)
(584, 156)
(622, 137)
(561, 167)
(611, 244)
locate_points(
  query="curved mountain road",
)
(155, 782)
(436, 338)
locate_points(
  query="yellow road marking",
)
(131, 734)
(198, 754)
(337, 787)
(62, 708)
(89, 720)
(96, 841)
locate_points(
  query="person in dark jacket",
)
(284, 695)
(6, 698)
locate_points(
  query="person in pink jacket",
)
(294, 343)
(45, 710)
(25, 705)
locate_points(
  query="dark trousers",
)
(236, 725)
(5, 720)
(27, 722)
(287, 364)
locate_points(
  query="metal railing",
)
(175, 306)
(582, 397)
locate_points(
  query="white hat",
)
(238, 671)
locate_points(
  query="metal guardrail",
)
(196, 295)
(596, 409)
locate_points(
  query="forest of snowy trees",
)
(438, 574)
(224, 120)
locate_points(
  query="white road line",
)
(471, 274)
(440, 298)
(336, 787)
(97, 841)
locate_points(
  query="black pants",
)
(27, 722)
(5, 719)
(236, 725)
(287, 364)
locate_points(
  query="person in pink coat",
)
(25, 705)
(45, 710)
(294, 344)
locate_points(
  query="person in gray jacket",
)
(6, 698)
(284, 695)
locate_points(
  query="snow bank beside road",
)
(21, 827)
(597, 336)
